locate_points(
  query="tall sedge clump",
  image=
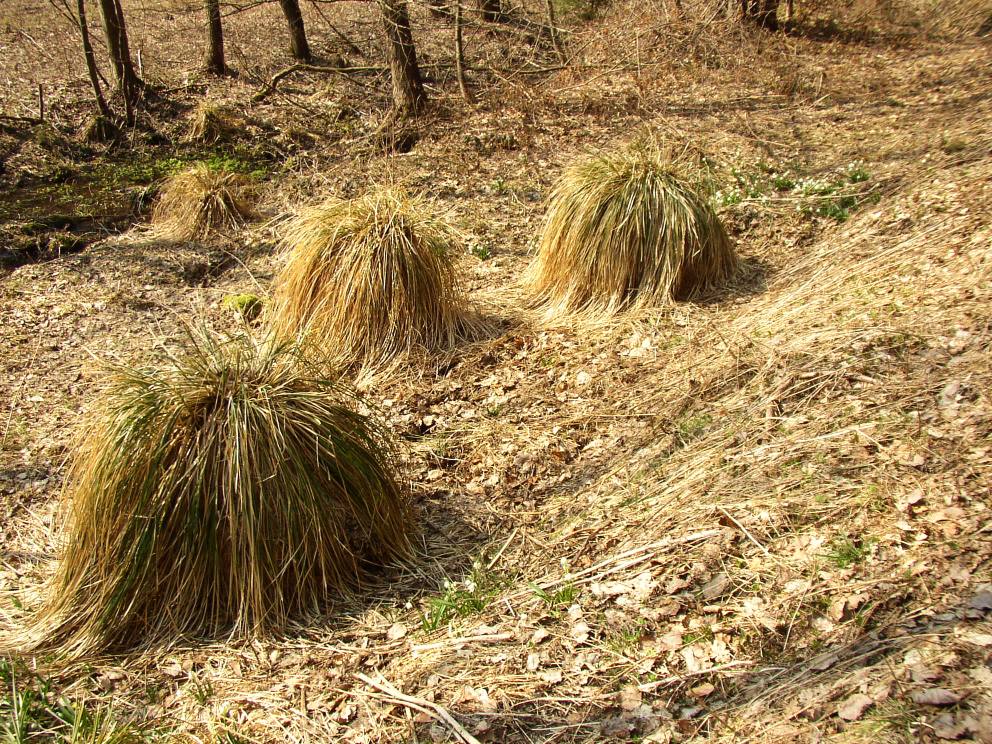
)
(201, 200)
(627, 228)
(229, 491)
(371, 278)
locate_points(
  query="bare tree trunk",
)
(91, 68)
(408, 87)
(763, 13)
(553, 25)
(460, 54)
(768, 14)
(128, 82)
(298, 45)
(491, 10)
(215, 37)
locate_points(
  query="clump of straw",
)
(627, 228)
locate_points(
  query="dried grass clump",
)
(211, 123)
(196, 202)
(230, 491)
(627, 228)
(371, 278)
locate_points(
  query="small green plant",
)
(500, 186)
(202, 689)
(246, 305)
(696, 635)
(481, 251)
(951, 145)
(625, 640)
(562, 597)
(857, 173)
(31, 711)
(783, 182)
(845, 552)
(692, 427)
(461, 599)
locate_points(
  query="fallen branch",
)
(619, 562)
(419, 704)
(282, 74)
(652, 686)
(22, 119)
(462, 640)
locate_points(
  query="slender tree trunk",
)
(768, 14)
(408, 87)
(491, 10)
(215, 39)
(298, 45)
(763, 13)
(553, 25)
(460, 54)
(91, 68)
(128, 82)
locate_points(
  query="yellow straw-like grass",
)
(371, 279)
(627, 228)
(202, 200)
(211, 123)
(227, 492)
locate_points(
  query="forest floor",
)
(761, 517)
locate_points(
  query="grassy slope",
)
(726, 520)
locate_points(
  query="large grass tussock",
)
(627, 228)
(229, 491)
(371, 278)
(201, 200)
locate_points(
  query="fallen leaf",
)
(671, 641)
(701, 691)
(715, 588)
(539, 635)
(396, 631)
(580, 632)
(854, 707)
(924, 673)
(630, 698)
(978, 639)
(945, 727)
(533, 661)
(981, 601)
(936, 696)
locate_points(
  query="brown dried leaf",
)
(629, 698)
(936, 696)
(854, 707)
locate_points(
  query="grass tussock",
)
(201, 200)
(372, 278)
(627, 227)
(211, 123)
(229, 491)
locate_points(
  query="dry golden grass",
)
(371, 279)
(627, 228)
(199, 201)
(211, 123)
(228, 491)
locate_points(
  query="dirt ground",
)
(763, 516)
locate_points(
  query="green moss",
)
(247, 305)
